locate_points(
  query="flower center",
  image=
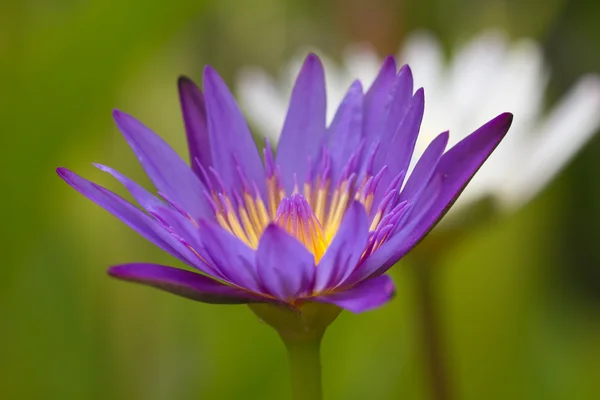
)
(312, 212)
(297, 218)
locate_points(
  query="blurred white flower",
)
(486, 76)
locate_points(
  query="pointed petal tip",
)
(122, 118)
(502, 122)
(125, 271)
(507, 116)
(183, 79)
(419, 99)
(118, 114)
(209, 75)
(405, 69)
(209, 72)
(445, 137)
(406, 73)
(356, 86)
(69, 176)
(116, 271)
(125, 122)
(275, 233)
(357, 206)
(389, 60)
(184, 82)
(207, 68)
(312, 57)
(271, 230)
(62, 172)
(312, 61)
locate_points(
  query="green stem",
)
(305, 367)
(301, 329)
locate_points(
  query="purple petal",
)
(453, 172)
(425, 168)
(169, 173)
(365, 296)
(398, 150)
(304, 127)
(345, 132)
(194, 118)
(188, 234)
(457, 166)
(130, 215)
(285, 267)
(345, 250)
(182, 283)
(234, 260)
(144, 198)
(395, 109)
(401, 98)
(401, 239)
(180, 225)
(377, 99)
(231, 143)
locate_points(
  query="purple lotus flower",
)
(321, 221)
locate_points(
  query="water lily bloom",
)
(485, 76)
(318, 222)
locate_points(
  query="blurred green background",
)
(519, 295)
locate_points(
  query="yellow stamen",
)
(223, 222)
(313, 219)
(248, 228)
(335, 217)
(319, 244)
(375, 222)
(262, 213)
(368, 202)
(255, 221)
(236, 227)
(308, 193)
(272, 196)
(320, 203)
